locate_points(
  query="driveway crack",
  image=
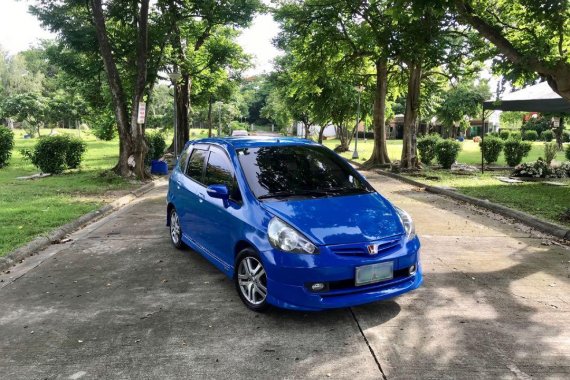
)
(368, 344)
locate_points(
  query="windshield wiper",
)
(287, 194)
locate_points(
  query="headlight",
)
(407, 222)
(285, 238)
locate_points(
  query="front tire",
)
(251, 280)
(176, 230)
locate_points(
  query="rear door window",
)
(195, 166)
(182, 160)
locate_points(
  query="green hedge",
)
(54, 154)
(447, 152)
(426, 148)
(491, 148)
(6, 145)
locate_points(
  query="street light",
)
(359, 89)
(174, 76)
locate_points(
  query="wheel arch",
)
(169, 208)
(241, 245)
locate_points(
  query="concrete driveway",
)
(119, 302)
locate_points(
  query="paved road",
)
(118, 302)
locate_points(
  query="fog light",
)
(317, 286)
(412, 270)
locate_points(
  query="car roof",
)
(238, 142)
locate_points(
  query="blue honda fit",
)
(292, 223)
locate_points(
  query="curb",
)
(530, 220)
(59, 233)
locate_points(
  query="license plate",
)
(369, 274)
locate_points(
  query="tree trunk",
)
(321, 132)
(132, 147)
(210, 117)
(409, 151)
(342, 133)
(380, 152)
(558, 132)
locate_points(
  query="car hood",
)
(340, 220)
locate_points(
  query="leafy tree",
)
(511, 119)
(462, 101)
(530, 37)
(122, 38)
(27, 107)
(355, 41)
(202, 41)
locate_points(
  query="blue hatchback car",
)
(292, 223)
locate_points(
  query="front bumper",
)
(290, 275)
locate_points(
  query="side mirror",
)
(218, 191)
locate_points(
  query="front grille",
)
(384, 247)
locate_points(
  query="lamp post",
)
(174, 76)
(359, 89)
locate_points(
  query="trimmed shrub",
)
(446, 152)
(6, 145)
(156, 146)
(54, 154)
(530, 136)
(547, 136)
(568, 152)
(515, 150)
(74, 152)
(550, 150)
(426, 147)
(491, 148)
(504, 134)
(515, 135)
(565, 136)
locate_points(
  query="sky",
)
(19, 30)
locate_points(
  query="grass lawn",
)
(29, 208)
(470, 153)
(545, 201)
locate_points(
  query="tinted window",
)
(196, 164)
(283, 171)
(219, 170)
(182, 160)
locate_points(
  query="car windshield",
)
(298, 171)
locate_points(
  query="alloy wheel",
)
(252, 280)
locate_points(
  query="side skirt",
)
(227, 269)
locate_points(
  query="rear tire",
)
(250, 280)
(176, 230)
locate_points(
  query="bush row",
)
(514, 149)
(530, 135)
(433, 147)
(54, 154)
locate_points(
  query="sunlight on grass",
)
(29, 208)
